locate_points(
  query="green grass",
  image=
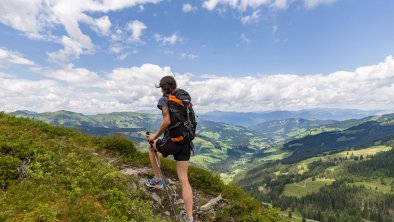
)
(228, 177)
(275, 156)
(376, 183)
(61, 180)
(299, 189)
(305, 187)
(48, 173)
(204, 160)
(368, 151)
(213, 135)
(302, 166)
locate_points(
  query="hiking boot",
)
(154, 183)
(183, 217)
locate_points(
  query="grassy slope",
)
(218, 146)
(252, 178)
(364, 134)
(56, 177)
(307, 186)
(52, 173)
(285, 129)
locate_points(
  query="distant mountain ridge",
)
(287, 128)
(366, 133)
(252, 118)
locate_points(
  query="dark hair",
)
(167, 84)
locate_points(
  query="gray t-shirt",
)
(163, 102)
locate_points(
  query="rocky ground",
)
(205, 206)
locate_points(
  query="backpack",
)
(183, 119)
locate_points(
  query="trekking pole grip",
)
(150, 142)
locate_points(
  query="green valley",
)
(303, 186)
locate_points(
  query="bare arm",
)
(165, 123)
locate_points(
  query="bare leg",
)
(153, 162)
(187, 193)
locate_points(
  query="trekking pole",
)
(161, 176)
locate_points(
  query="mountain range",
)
(248, 119)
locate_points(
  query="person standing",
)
(168, 146)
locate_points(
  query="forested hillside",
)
(351, 185)
(365, 134)
(281, 130)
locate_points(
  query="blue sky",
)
(81, 46)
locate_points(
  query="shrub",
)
(8, 169)
(120, 143)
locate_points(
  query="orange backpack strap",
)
(174, 99)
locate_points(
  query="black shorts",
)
(180, 151)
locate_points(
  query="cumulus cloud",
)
(101, 25)
(243, 5)
(280, 4)
(239, 4)
(186, 8)
(136, 27)
(38, 18)
(82, 90)
(76, 76)
(313, 3)
(254, 17)
(125, 39)
(132, 89)
(8, 58)
(172, 39)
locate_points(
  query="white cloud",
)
(39, 17)
(211, 4)
(243, 5)
(136, 27)
(132, 89)
(81, 90)
(239, 4)
(122, 56)
(186, 8)
(8, 58)
(254, 17)
(314, 3)
(74, 75)
(101, 25)
(188, 56)
(5, 75)
(172, 39)
(72, 49)
(280, 4)
(115, 49)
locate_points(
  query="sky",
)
(98, 56)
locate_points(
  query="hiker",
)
(168, 145)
